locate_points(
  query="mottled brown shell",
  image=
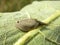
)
(28, 24)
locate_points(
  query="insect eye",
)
(17, 21)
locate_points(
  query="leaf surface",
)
(9, 34)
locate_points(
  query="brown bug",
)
(28, 24)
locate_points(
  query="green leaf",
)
(9, 34)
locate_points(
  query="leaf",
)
(9, 34)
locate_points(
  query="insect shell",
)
(28, 24)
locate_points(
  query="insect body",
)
(28, 24)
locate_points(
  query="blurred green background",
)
(14, 5)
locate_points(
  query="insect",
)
(28, 24)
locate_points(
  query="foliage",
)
(15, 5)
(9, 34)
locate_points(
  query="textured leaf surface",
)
(9, 34)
